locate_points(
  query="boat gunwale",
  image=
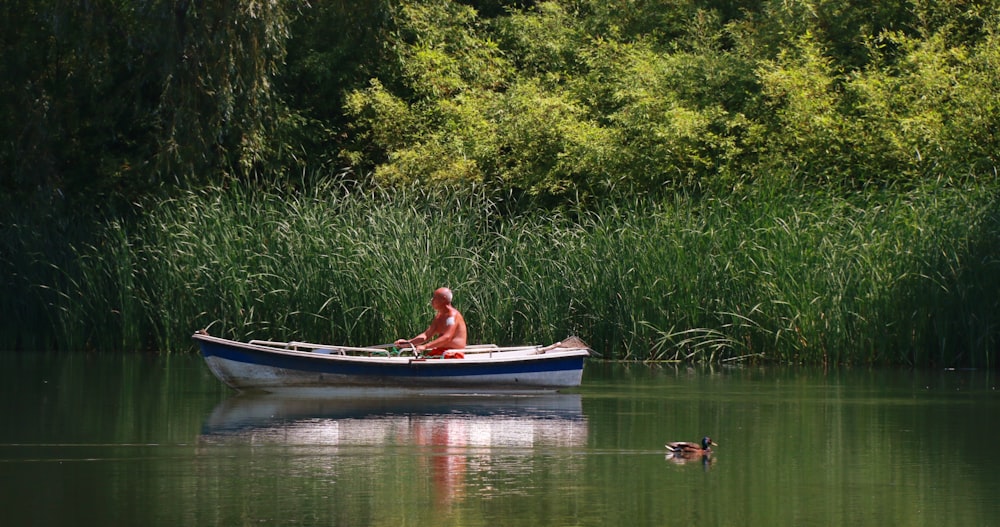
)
(499, 355)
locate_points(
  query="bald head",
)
(443, 293)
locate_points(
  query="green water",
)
(132, 440)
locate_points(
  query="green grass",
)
(906, 278)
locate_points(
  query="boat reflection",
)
(454, 440)
(470, 420)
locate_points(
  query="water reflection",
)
(452, 441)
(140, 440)
(680, 459)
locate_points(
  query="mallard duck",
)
(688, 449)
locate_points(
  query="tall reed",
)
(881, 277)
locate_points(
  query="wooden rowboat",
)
(277, 366)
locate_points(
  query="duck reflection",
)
(450, 436)
(681, 459)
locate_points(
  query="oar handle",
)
(413, 346)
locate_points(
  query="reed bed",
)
(876, 278)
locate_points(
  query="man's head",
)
(442, 295)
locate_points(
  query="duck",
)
(691, 450)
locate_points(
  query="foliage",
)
(932, 110)
(112, 99)
(594, 102)
(566, 100)
(630, 124)
(809, 277)
(802, 87)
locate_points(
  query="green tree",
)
(115, 99)
(63, 118)
(930, 107)
(809, 135)
(213, 64)
(424, 118)
(334, 47)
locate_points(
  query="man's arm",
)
(416, 341)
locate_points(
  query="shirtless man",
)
(447, 329)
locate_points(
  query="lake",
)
(148, 440)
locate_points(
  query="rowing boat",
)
(269, 366)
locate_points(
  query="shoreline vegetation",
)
(793, 181)
(880, 277)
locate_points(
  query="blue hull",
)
(254, 367)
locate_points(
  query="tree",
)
(111, 98)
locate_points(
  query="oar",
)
(410, 342)
(414, 347)
(387, 346)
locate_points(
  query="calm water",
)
(113, 440)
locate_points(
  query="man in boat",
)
(447, 331)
